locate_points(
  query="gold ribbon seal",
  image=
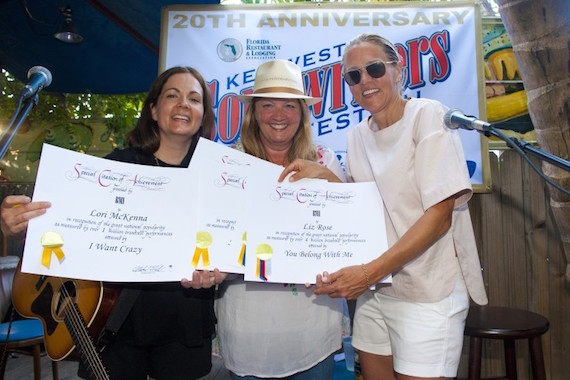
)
(203, 241)
(52, 242)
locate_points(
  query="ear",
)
(153, 112)
(399, 72)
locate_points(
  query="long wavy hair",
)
(301, 147)
(145, 135)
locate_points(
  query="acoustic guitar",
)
(71, 311)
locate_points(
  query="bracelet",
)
(366, 275)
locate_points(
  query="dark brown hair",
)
(144, 136)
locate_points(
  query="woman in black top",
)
(168, 333)
(167, 329)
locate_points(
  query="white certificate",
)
(223, 175)
(113, 221)
(122, 222)
(298, 230)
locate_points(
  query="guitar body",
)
(42, 297)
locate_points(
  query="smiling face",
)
(373, 94)
(179, 109)
(278, 120)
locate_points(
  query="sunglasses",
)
(375, 70)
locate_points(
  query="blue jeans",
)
(321, 371)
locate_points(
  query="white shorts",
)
(424, 339)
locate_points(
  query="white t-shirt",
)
(416, 163)
(277, 330)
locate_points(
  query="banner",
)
(439, 43)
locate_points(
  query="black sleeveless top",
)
(167, 312)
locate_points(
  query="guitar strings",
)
(79, 326)
(76, 320)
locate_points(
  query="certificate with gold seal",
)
(223, 176)
(115, 221)
(296, 230)
(121, 222)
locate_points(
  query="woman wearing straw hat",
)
(279, 330)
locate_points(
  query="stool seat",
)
(22, 330)
(507, 324)
(496, 322)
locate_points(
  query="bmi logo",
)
(229, 50)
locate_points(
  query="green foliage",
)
(125, 109)
(119, 112)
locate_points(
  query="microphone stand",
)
(18, 118)
(522, 147)
(554, 160)
(527, 147)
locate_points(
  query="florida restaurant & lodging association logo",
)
(230, 50)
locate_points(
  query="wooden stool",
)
(494, 322)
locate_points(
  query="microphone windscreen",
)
(448, 116)
(41, 70)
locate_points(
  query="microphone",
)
(39, 77)
(455, 119)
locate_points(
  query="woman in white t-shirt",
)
(270, 330)
(413, 327)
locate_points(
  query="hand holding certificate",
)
(104, 223)
(300, 229)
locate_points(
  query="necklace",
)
(156, 160)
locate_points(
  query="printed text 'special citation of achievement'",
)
(297, 230)
(121, 222)
(110, 221)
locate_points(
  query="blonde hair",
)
(374, 39)
(385, 44)
(301, 147)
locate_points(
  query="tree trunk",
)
(540, 35)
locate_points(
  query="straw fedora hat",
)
(281, 79)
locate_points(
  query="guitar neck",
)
(79, 332)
